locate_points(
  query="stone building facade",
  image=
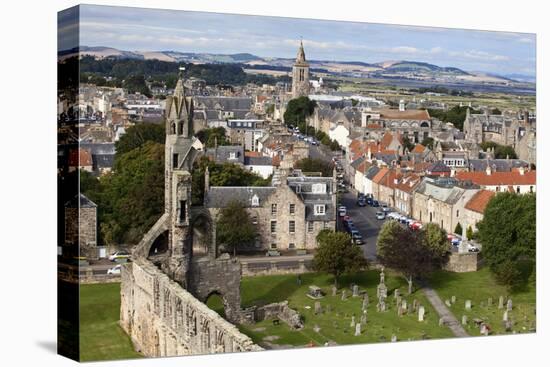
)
(81, 225)
(288, 215)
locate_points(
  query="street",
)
(365, 221)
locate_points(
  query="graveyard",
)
(334, 319)
(490, 303)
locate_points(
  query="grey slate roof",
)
(220, 197)
(80, 200)
(438, 166)
(446, 193)
(227, 103)
(500, 165)
(371, 172)
(222, 154)
(258, 161)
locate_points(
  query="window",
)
(232, 155)
(292, 208)
(182, 211)
(530, 188)
(325, 225)
(291, 246)
(457, 213)
(517, 189)
(310, 227)
(255, 200)
(274, 246)
(273, 226)
(273, 209)
(175, 160)
(319, 209)
(291, 226)
(319, 188)
(254, 220)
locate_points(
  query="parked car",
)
(342, 211)
(416, 225)
(380, 215)
(356, 237)
(392, 215)
(361, 202)
(369, 201)
(349, 223)
(375, 203)
(114, 270)
(118, 255)
(472, 248)
(386, 209)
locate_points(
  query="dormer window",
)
(319, 209)
(319, 188)
(232, 155)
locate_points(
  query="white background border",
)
(28, 185)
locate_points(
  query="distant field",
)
(101, 338)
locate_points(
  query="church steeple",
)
(301, 56)
(300, 74)
(179, 111)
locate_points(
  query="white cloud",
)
(479, 55)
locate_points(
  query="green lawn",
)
(101, 338)
(335, 325)
(479, 287)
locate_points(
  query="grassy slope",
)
(101, 338)
(478, 287)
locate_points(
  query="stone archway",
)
(202, 234)
(160, 245)
(217, 302)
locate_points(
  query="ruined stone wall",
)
(462, 262)
(163, 319)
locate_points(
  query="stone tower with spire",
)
(179, 156)
(300, 74)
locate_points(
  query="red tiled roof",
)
(418, 148)
(408, 183)
(380, 175)
(252, 154)
(479, 201)
(391, 114)
(374, 126)
(80, 157)
(499, 178)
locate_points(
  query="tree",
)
(212, 136)
(135, 83)
(469, 233)
(315, 165)
(428, 142)
(456, 115)
(234, 228)
(458, 229)
(496, 111)
(298, 109)
(501, 151)
(131, 197)
(407, 144)
(138, 135)
(508, 235)
(336, 254)
(415, 254)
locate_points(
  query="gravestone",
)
(396, 293)
(334, 290)
(352, 323)
(500, 302)
(464, 319)
(343, 295)
(489, 301)
(441, 321)
(357, 329)
(468, 305)
(399, 311)
(318, 308)
(505, 316)
(397, 301)
(404, 305)
(509, 305)
(381, 306)
(453, 299)
(355, 291)
(316, 328)
(421, 312)
(447, 303)
(382, 290)
(409, 308)
(393, 338)
(364, 318)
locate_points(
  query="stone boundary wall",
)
(249, 269)
(163, 319)
(462, 262)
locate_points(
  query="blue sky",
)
(160, 30)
